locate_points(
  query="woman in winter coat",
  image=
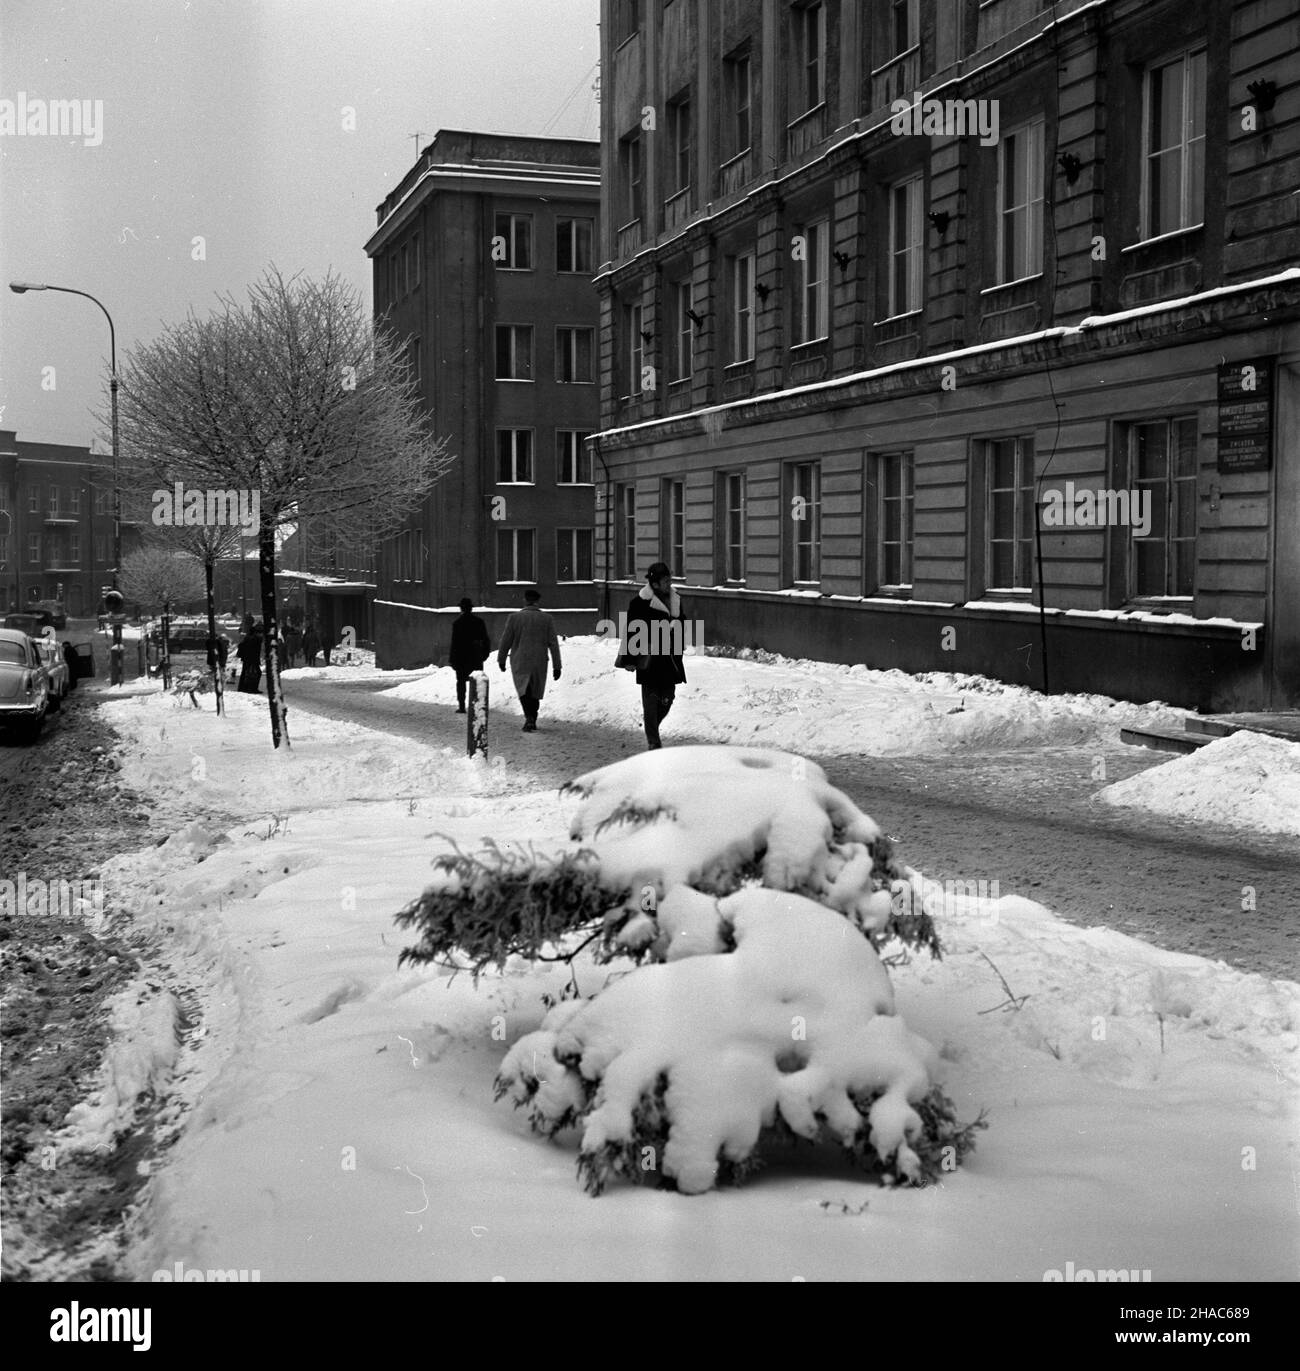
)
(249, 653)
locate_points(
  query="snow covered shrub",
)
(712, 818)
(767, 1018)
(718, 818)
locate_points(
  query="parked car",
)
(57, 674)
(24, 685)
(54, 608)
(32, 622)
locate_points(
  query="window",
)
(812, 310)
(742, 307)
(408, 555)
(672, 506)
(74, 549)
(633, 324)
(514, 352)
(737, 103)
(414, 279)
(512, 242)
(679, 136)
(574, 350)
(74, 500)
(1010, 514)
(515, 555)
(573, 240)
(1162, 473)
(805, 508)
(514, 456)
(733, 525)
(683, 339)
(54, 501)
(101, 548)
(630, 177)
(896, 480)
(34, 548)
(1173, 192)
(809, 88)
(906, 246)
(625, 530)
(413, 360)
(1020, 204)
(572, 459)
(394, 287)
(102, 505)
(627, 19)
(903, 26)
(574, 554)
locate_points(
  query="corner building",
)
(848, 367)
(483, 259)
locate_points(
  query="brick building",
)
(56, 525)
(483, 259)
(910, 311)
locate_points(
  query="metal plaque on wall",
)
(1246, 416)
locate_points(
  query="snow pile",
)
(698, 816)
(681, 1067)
(1246, 780)
(139, 1060)
(820, 707)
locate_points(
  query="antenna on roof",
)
(417, 135)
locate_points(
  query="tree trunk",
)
(266, 571)
(214, 657)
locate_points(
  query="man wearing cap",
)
(530, 635)
(653, 643)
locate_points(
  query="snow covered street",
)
(334, 1114)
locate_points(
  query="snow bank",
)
(819, 707)
(1246, 780)
(141, 1054)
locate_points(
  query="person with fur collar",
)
(654, 640)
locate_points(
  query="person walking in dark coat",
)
(292, 643)
(310, 644)
(249, 653)
(653, 643)
(470, 647)
(529, 636)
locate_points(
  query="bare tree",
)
(160, 577)
(295, 400)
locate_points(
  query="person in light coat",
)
(528, 638)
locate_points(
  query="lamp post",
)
(21, 288)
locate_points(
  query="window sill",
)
(1159, 604)
(809, 344)
(738, 367)
(515, 380)
(564, 381)
(578, 485)
(1164, 237)
(516, 483)
(895, 59)
(1006, 285)
(896, 318)
(818, 108)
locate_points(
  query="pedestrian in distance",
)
(529, 636)
(653, 643)
(470, 648)
(310, 644)
(249, 653)
(292, 643)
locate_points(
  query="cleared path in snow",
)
(1024, 818)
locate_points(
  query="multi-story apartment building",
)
(940, 334)
(483, 259)
(56, 525)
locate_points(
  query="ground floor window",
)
(673, 533)
(896, 493)
(625, 531)
(574, 559)
(1161, 473)
(516, 555)
(731, 502)
(1010, 513)
(804, 518)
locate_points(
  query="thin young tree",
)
(161, 577)
(296, 402)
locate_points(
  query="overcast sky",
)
(224, 119)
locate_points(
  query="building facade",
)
(949, 335)
(483, 259)
(56, 525)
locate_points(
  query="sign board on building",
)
(1246, 416)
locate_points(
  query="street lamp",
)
(21, 288)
